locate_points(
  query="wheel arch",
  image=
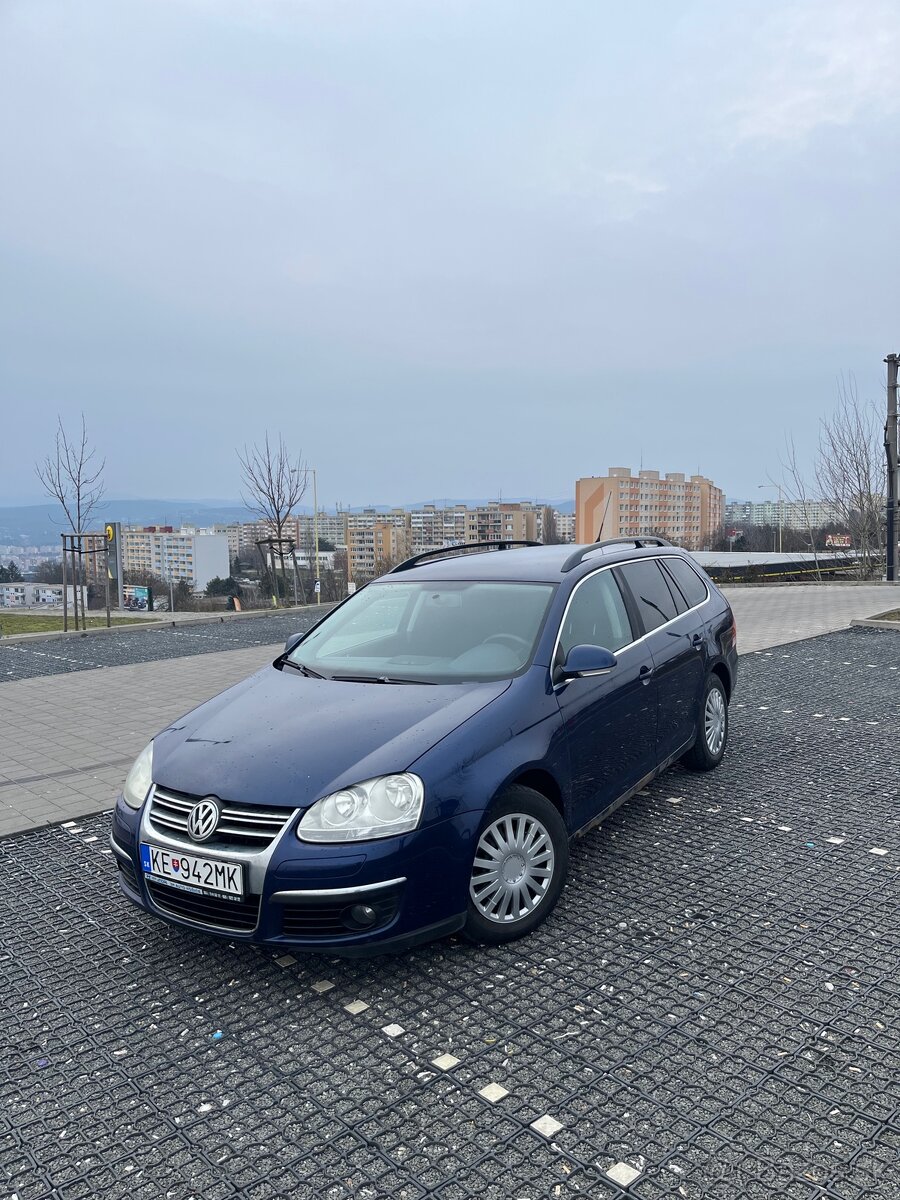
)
(721, 671)
(541, 781)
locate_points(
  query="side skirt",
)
(632, 791)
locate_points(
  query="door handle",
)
(645, 673)
(697, 641)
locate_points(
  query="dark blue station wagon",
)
(417, 763)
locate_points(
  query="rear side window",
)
(651, 592)
(596, 617)
(689, 582)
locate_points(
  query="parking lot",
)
(712, 1012)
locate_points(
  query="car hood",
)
(279, 738)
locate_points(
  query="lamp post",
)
(780, 509)
(168, 550)
(893, 467)
(316, 534)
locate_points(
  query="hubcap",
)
(714, 720)
(513, 868)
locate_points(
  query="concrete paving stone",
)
(547, 1126)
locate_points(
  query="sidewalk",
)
(67, 740)
(774, 616)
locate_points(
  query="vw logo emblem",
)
(203, 820)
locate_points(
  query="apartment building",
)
(194, 556)
(31, 595)
(331, 528)
(790, 514)
(374, 535)
(561, 526)
(501, 522)
(232, 532)
(685, 509)
(374, 539)
(565, 526)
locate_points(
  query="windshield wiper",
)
(302, 668)
(379, 679)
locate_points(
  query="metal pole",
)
(780, 518)
(316, 536)
(74, 582)
(893, 467)
(108, 618)
(169, 574)
(65, 587)
(293, 554)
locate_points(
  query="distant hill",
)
(41, 524)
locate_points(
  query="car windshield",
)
(434, 632)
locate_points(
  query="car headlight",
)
(139, 779)
(377, 808)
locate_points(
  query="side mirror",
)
(292, 642)
(584, 661)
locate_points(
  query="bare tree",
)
(851, 471)
(71, 477)
(274, 483)
(549, 534)
(793, 485)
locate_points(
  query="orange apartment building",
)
(685, 509)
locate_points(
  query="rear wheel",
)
(519, 868)
(712, 733)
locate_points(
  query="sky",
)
(444, 247)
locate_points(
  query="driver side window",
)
(597, 616)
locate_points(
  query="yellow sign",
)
(110, 533)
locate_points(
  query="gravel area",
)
(54, 656)
(713, 1013)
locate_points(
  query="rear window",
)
(651, 592)
(689, 582)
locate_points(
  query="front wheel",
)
(519, 867)
(712, 735)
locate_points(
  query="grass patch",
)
(13, 622)
(893, 615)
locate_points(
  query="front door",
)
(678, 648)
(610, 719)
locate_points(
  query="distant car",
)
(417, 763)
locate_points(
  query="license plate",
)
(188, 873)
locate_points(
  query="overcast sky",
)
(447, 247)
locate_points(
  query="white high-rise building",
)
(196, 557)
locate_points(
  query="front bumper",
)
(304, 896)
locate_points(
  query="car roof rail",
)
(639, 543)
(455, 552)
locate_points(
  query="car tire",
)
(522, 832)
(712, 728)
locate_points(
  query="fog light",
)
(363, 915)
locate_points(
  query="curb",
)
(875, 623)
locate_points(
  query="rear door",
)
(609, 720)
(676, 641)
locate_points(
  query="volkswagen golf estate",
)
(417, 763)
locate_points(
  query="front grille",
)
(256, 828)
(129, 877)
(319, 917)
(238, 915)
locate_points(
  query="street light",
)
(168, 550)
(312, 471)
(780, 509)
